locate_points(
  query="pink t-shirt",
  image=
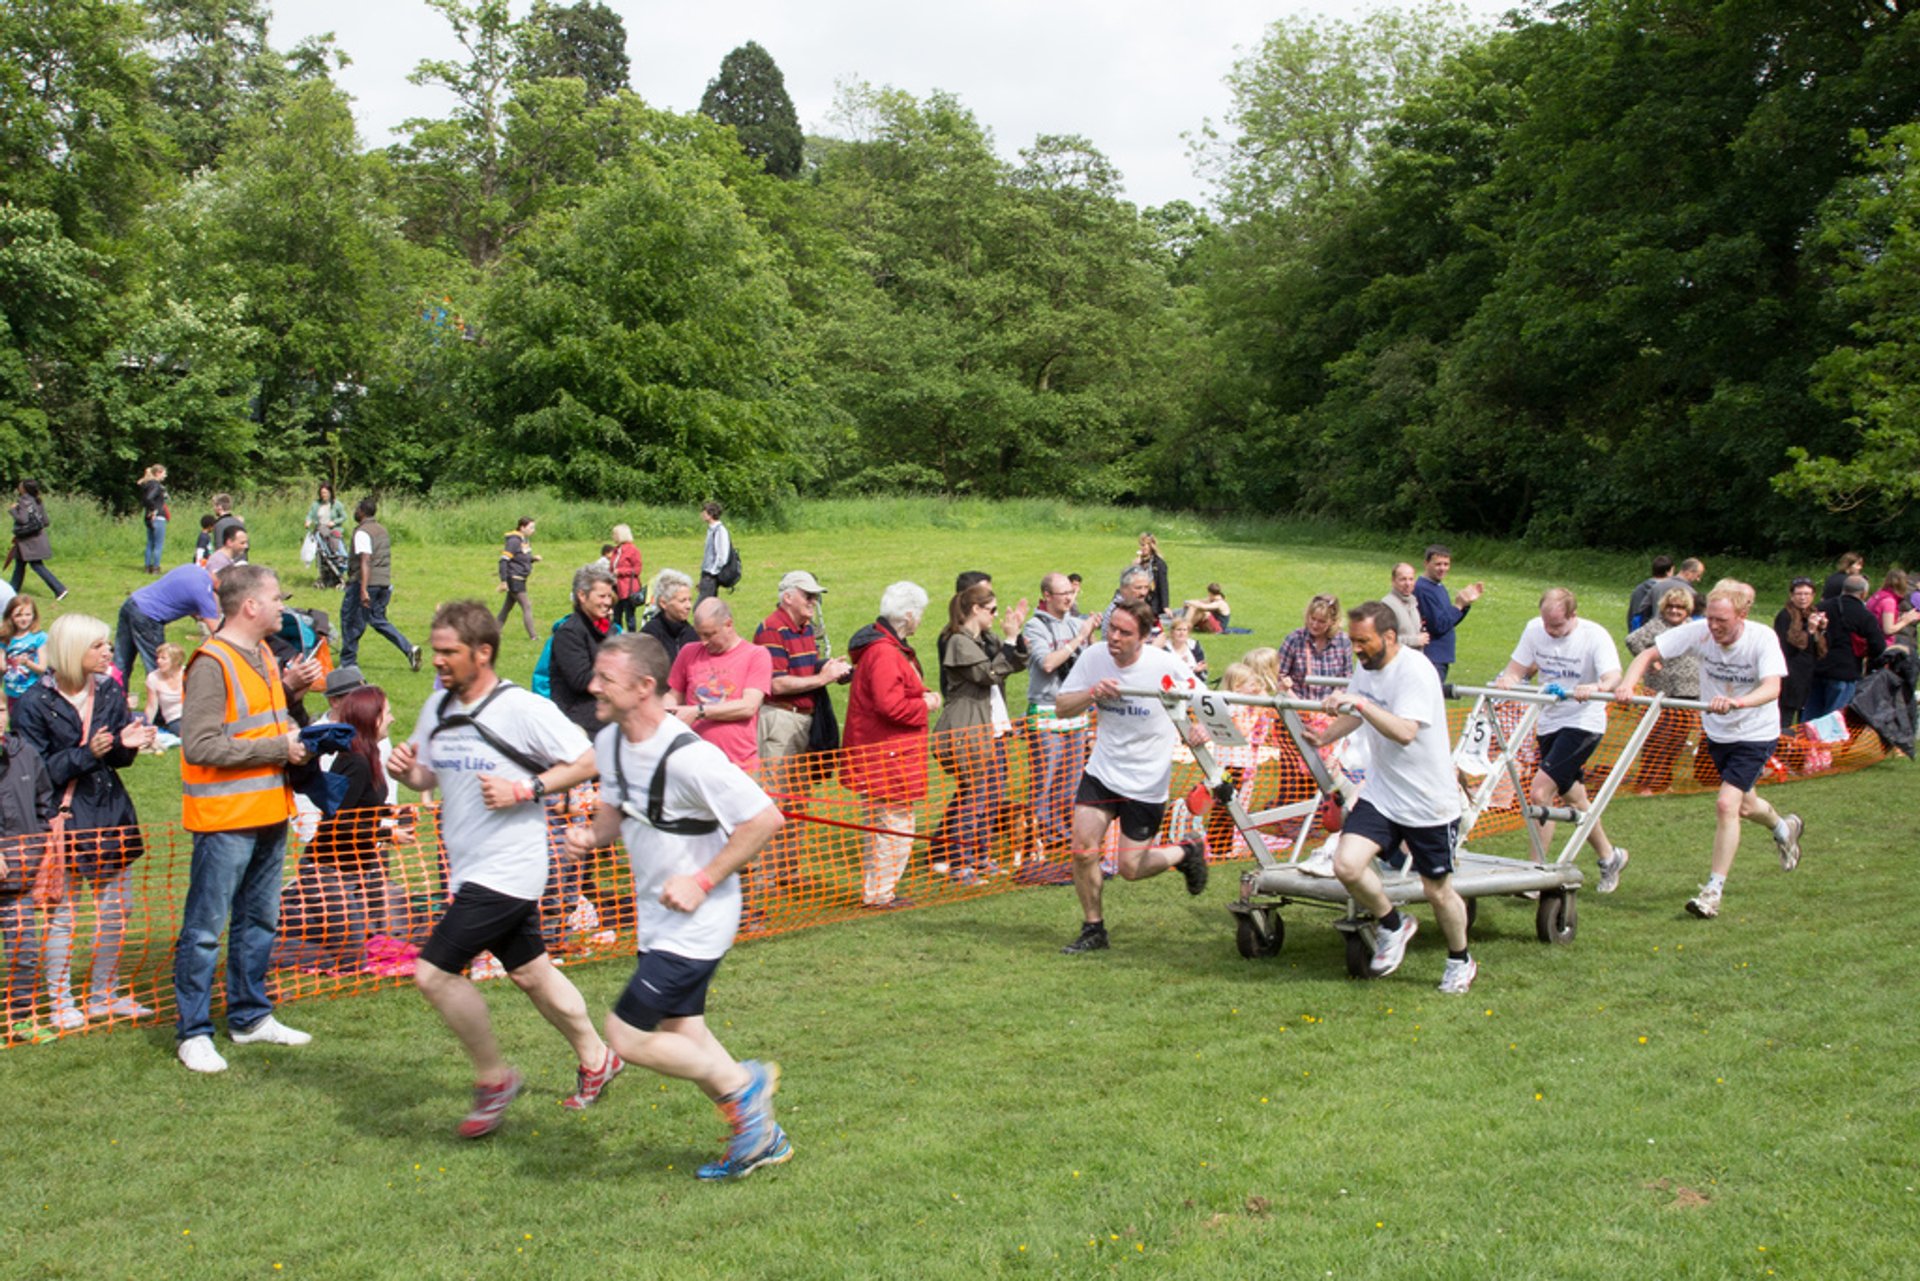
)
(703, 678)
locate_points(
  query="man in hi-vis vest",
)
(236, 742)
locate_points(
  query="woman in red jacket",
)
(884, 756)
(628, 594)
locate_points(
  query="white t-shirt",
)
(1134, 740)
(506, 849)
(1731, 672)
(1412, 785)
(362, 543)
(702, 784)
(1582, 657)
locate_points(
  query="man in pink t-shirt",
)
(719, 684)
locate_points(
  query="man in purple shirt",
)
(185, 592)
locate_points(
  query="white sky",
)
(1131, 75)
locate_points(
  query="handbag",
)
(50, 882)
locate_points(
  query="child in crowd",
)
(203, 545)
(166, 685)
(26, 644)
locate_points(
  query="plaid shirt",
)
(1299, 660)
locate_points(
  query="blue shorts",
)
(1740, 764)
(1564, 753)
(1431, 847)
(665, 986)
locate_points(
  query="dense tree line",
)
(1619, 271)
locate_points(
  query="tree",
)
(751, 95)
(47, 296)
(452, 168)
(213, 58)
(585, 41)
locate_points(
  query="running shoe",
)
(732, 1167)
(27, 1032)
(590, 1084)
(1194, 866)
(1610, 871)
(118, 1007)
(1705, 904)
(1390, 947)
(489, 1107)
(198, 1054)
(1093, 938)
(1790, 848)
(1458, 977)
(271, 1031)
(750, 1111)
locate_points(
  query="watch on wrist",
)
(539, 788)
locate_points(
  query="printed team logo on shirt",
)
(714, 687)
(1729, 673)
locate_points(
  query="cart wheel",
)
(1557, 916)
(1359, 956)
(1260, 934)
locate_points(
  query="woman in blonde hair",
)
(629, 592)
(77, 719)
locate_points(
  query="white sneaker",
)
(1390, 947)
(271, 1031)
(1610, 871)
(198, 1054)
(1790, 848)
(119, 1007)
(68, 1019)
(1705, 904)
(1459, 976)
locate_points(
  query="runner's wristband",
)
(704, 881)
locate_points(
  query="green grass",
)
(956, 1090)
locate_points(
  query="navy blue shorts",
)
(1431, 847)
(483, 920)
(1740, 763)
(1139, 820)
(665, 986)
(1564, 753)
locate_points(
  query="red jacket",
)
(884, 746)
(626, 570)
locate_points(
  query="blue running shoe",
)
(750, 1111)
(739, 1167)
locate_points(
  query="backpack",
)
(471, 720)
(729, 573)
(656, 789)
(542, 683)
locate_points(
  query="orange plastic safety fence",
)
(879, 825)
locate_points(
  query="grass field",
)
(1662, 1097)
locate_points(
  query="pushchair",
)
(329, 556)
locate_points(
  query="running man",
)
(1132, 762)
(690, 820)
(495, 751)
(1576, 654)
(1411, 799)
(1741, 665)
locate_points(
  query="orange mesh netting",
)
(352, 920)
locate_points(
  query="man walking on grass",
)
(495, 750)
(1132, 762)
(1410, 800)
(1741, 665)
(690, 820)
(369, 587)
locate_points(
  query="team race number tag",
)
(1211, 712)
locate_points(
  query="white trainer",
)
(68, 1018)
(1790, 848)
(1610, 872)
(119, 1007)
(271, 1031)
(198, 1054)
(1705, 904)
(1458, 977)
(1390, 947)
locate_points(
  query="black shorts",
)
(665, 986)
(483, 920)
(1139, 820)
(1740, 764)
(1564, 753)
(1431, 847)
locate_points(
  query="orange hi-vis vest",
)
(230, 800)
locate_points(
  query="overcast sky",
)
(1132, 75)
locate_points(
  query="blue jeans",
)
(156, 544)
(1827, 696)
(237, 875)
(966, 832)
(355, 619)
(1057, 757)
(136, 632)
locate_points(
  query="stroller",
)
(328, 556)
